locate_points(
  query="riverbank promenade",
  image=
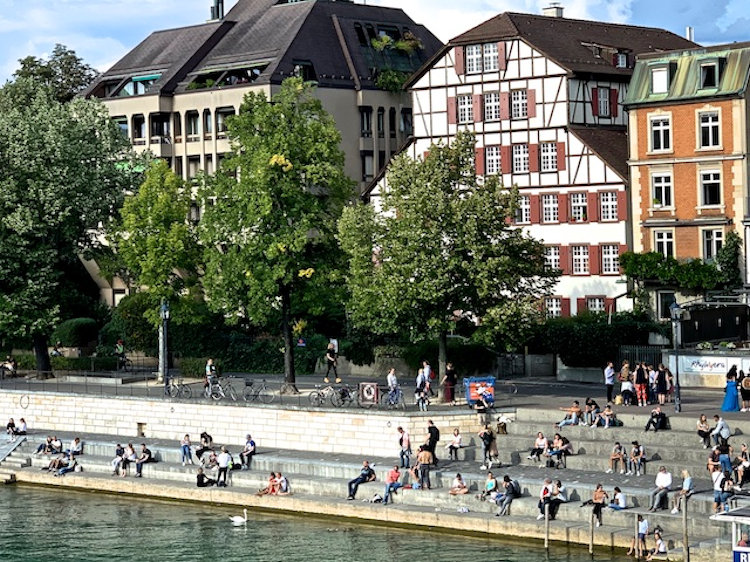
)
(320, 449)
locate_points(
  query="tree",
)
(61, 178)
(64, 72)
(441, 248)
(269, 238)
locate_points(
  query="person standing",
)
(599, 499)
(429, 376)
(744, 392)
(731, 399)
(641, 384)
(366, 474)
(187, 456)
(433, 436)
(405, 447)
(331, 362)
(609, 379)
(223, 461)
(424, 461)
(209, 377)
(449, 385)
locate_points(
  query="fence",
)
(651, 354)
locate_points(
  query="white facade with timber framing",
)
(544, 97)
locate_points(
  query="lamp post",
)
(676, 313)
(164, 315)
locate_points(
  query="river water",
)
(44, 525)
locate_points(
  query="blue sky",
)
(102, 31)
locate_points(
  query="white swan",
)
(237, 520)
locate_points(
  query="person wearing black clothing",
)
(331, 362)
(207, 443)
(204, 481)
(449, 384)
(366, 474)
(433, 436)
(145, 457)
(657, 420)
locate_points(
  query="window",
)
(580, 259)
(406, 121)
(659, 80)
(492, 160)
(549, 156)
(221, 120)
(365, 121)
(709, 125)
(610, 259)
(550, 211)
(191, 125)
(660, 134)
(367, 166)
(520, 158)
(492, 106)
(490, 57)
(122, 124)
(712, 242)
(518, 104)
(304, 69)
(709, 75)
(523, 214)
(664, 243)
(208, 125)
(473, 59)
(465, 109)
(578, 208)
(553, 307)
(604, 109)
(622, 60)
(595, 304)
(552, 257)
(139, 129)
(608, 206)
(664, 300)
(710, 188)
(392, 122)
(381, 122)
(661, 190)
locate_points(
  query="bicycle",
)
(321, 395)
(393, 399)
(178, 389)
(343, 395)
(218, 389)
(257, 391)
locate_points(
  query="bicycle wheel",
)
(400, 401)
(249, 393)
(217, 393)
(265, 395)
(185, 391)
(336, 399)
(316, 398)
(172, 390)
(231, 393)
(385, 400)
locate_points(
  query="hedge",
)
(27, 362)
(76, 332)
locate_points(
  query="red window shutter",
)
(609, 305)
(581, 305)
(561, 156)
(565, 307)
(623, 248)
(452, 114)
(534, 202)
(531, 103)
(501, 55)
(592, 204)
(458, 62)
(565, 260)
(595, 101)
(622, 205)
(594, 260)
(506, 160)
(533, 158)
(476, 107)
(613, 102)
(562, 207)
(504, 105)
(479, 160)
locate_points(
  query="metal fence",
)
(651, 354)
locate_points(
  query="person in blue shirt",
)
(366, 474)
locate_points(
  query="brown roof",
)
(609, 143)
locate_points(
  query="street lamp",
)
(675, 312)
(164, 315)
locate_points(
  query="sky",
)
(102, 31)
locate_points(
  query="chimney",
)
(554, 10)
(217, 10)
(690, 33)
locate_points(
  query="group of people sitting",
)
(501, 493)
(66, 460)
(554, 450)
(14, 430)
(591, 415)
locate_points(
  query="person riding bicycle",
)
(393, 388)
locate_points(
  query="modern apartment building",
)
(173, 92)
(544, 96)
(688, 134)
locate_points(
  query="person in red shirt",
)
(392, 483)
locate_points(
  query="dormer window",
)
(709, 75)
(659, 80)
(621, 60)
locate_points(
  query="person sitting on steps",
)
(657, 420)
(572, 417)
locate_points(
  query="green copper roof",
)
(732, 63)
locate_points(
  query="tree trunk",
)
(442, 352)
(290, 383)
(41, 351)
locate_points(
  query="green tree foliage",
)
(156, 241)
(269, 237)
(64, 72)
(441, 247)
(60, 179)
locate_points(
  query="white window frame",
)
(523, 215)
(553, 307)
(473, 55)
(703, 75)
(490, 57)
(710, 122)
(579, 206)
(520, 158)
(664, 243)
(492, 106)
(492, 160)
(519, 104)
(712, 239)
(465, 109)
(608, 206)
(580, 255)
(622, 60)
(604, 107)
(659, 80)
(660, 125)
(661, 190)
(709, 177)
(550, 208)
(596, 304)
(610, 259)
(552, 257)
(548, 151)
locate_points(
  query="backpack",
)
(515, 488)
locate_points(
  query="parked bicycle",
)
(345, 395)
(220, 388)
(257, 391)
(176, 388)
(393, 399)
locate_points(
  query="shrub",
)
(468, 358)
(76, 332)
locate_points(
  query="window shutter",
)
(614, 60)
(592, 204)
(533, 158)
(565, 260)
(594, 261)
(531, 103)
(613, 102)
(565, 307)
(458, 61)
(476, 107)
(506, 160)
(561, 156)
(595, 101)
(501, 55)
(505, 105)
(609, 305)
(452, 115)
(534, 202)
(562, 207)
(479, 160)
(622, 206)
(581, 305)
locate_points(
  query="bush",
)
(468, 358)
(84, 363)
(76, 332)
